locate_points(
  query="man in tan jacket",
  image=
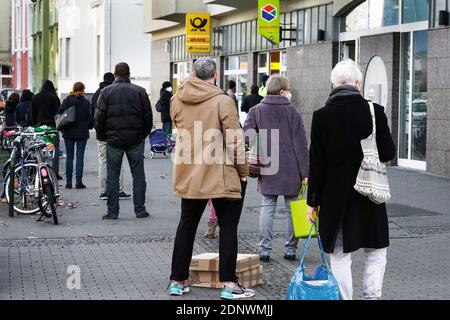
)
(209, 164)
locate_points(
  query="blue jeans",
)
(167, 128)
(268, 210)
(114, 157)
(70, 150)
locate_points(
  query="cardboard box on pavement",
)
(210, 262)
(211, 279)
(204, 270)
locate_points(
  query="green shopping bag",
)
(299, 211)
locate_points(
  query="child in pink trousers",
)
(212, 221)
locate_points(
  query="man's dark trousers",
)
(228, 214)
(114, 157)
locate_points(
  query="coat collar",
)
(122, 79)
(271, 99)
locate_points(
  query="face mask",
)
(288, 95)
(169, 89)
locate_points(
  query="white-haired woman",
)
(348, 220)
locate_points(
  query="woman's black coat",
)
(83, 118)
(335, 158)
(10, 114)
(164, 100)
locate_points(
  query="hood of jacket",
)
(104, 84)
(195, 91)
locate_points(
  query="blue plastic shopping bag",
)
(321, 286)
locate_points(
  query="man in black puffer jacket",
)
(124, 119)
(108, 79)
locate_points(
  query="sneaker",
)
(143, 215)
(264, 259)
(289, 257)
(236, 292)
(178, 289)
(103, 196)
(124, 196)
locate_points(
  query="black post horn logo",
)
(199, 24)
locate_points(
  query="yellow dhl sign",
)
(198, 33)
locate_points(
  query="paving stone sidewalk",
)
(130, 258)
(138, 268)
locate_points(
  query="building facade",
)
(22, 45)
(401, 45)
(45, 41)
(5, 45)
(96, 35)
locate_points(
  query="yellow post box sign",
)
(198, 33)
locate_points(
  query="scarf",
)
(343, 91)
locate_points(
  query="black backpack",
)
(158, 106)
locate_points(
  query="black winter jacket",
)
(94, 99)
(83, 119)
(45, 106)
(164, 100)
(123, 117)
(22, 112)
(335, 159)
(251, 101)
(10, 114)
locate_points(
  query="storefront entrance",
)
(180, 72)
(236, 69)
(270, 63)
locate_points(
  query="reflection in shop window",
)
(415, 10)
(372, 14)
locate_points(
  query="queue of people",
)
(349, 221)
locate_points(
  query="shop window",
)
(413, 108)
(415, 10)
(372, 14)
(236, 69)
(270, 63)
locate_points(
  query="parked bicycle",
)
(31, 184)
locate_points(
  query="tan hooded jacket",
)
(210, 151)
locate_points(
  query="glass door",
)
(413, 106)
(236, 68)
(180, 72)
(270, 63)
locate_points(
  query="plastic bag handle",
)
(303, 190)
(306, 247)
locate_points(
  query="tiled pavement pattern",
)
(138, 268)
(135, 263)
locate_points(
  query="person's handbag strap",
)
(307, 244)
(374, 122)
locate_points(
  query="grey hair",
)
(276, 84)
(205, 68)
(346, 72)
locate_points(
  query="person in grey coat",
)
(275, 114)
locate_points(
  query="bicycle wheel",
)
(43, 201)
(22, 189)
(51, 201)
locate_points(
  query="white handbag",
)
(372, 180)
